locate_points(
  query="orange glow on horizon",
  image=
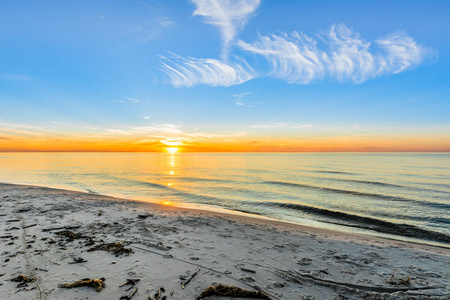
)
(375, 142)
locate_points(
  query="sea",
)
(403, 196)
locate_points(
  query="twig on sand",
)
(248, 270)
(128, 297)
(183, 284)
(130, 281)
(28, 226)
(158, 294)
(77, 260)
(59, 228)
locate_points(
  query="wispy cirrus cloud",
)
(229, 15)
(191, 71)
(338, 54)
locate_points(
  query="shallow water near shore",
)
(404, 195)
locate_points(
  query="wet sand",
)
(56, 237)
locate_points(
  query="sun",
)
(172, 150)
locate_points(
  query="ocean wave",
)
(332, 172)
(385, 184)
(194, 179)
(369, 182)
(145, 183)
(202, 199)
(363, 222)
(361, 194)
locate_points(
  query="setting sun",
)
(172, 149)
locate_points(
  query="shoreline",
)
(167, 240)
(333, 229)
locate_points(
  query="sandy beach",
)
(138, 250)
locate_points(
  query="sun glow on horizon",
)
(172, 150)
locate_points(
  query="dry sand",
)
(45, 231)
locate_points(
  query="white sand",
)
(174, 242)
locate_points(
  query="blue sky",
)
(223, 69)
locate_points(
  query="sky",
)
(229, 75)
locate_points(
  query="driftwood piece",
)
(128, 297)
(183, 284)
(115, 248)
(231, 291)
(97, 284)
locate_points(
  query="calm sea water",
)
(401, 195)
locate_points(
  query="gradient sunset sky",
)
(210, 75)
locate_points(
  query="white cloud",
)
(282, 125)
(57, 123)
(169, 133)
(130, 100)
(204, 135)
(156, 129)
(339, 54)
(165, 22)
(229, 15)
(239, 97)
(402, 52)
(213, 72)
